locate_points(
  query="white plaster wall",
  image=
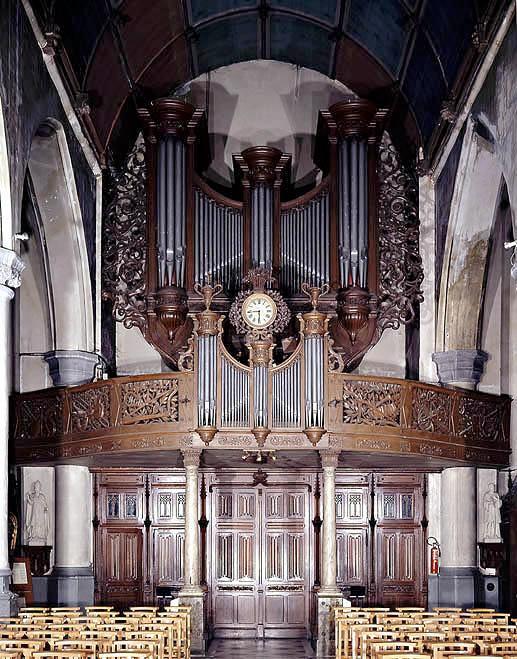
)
(134, 355)
(387, 357)
(426, 206)
(264, 102)
(434, 505)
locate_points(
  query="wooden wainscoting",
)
(261, 543)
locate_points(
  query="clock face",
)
(259, 310)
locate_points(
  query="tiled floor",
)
(270, 649)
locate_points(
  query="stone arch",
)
(6, 220)
(474, 207)
(56, 318)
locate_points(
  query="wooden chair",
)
(424, 639)
(25, 646)
(65, 654)
(440, 650)
(10, 654)
(362, 640)
(129, 654)
(90, 647)
(503, 648)
(393, 647)
(140, 645)
(157, 638)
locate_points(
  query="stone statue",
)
(36, 516)
(492, 515)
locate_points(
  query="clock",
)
(259, 310)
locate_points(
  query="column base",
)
(66, 586)
(454, 586)
(9, 602)
(195, 597)
(327, 600)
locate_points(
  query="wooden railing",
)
(363, 413)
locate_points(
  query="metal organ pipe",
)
(171, 196)
(234, 396)
(353, 212)
(314, 381)
(262, 225)
(219, 242)
(304, 244)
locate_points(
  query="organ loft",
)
(257, 297)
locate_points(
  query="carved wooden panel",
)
(121, 566)
(150, 402)
(352, 509)
(168, 556)
(260, 561)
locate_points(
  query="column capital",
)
(11, 268)
(462, 368)
(191, 456)
(329, 458)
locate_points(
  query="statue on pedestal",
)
(492, 515)
(36, 516)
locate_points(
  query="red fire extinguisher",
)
(434, 565)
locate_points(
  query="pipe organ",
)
(225, 276)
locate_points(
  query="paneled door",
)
(260, 561)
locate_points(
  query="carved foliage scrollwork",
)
(400, 265)
(39, 417)
(431, 410)
(150, 401)
(90, 409)
(371, 403)
(124, 243)
(480, 421)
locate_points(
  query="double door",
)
(260, 564)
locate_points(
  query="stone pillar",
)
(192, 593)
(456, 584)
(11, 268)
(71, 367)
(329, 594)
(71, 582)
(460, 368)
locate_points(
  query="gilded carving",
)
(371, 403)
(90, 409)
(150, 401)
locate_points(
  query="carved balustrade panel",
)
(103, 416)
(403, 416)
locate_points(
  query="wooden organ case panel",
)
(260, 568)
(399, 540)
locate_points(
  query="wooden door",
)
(122, 583)
(399, 541)
(284, 562)
(261, 563)
(236, 559)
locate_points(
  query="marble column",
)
(71, 582)
(458, 578)
(11, 268)
(329, 594)
(192, 593)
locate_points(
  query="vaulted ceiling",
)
(411, 55)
